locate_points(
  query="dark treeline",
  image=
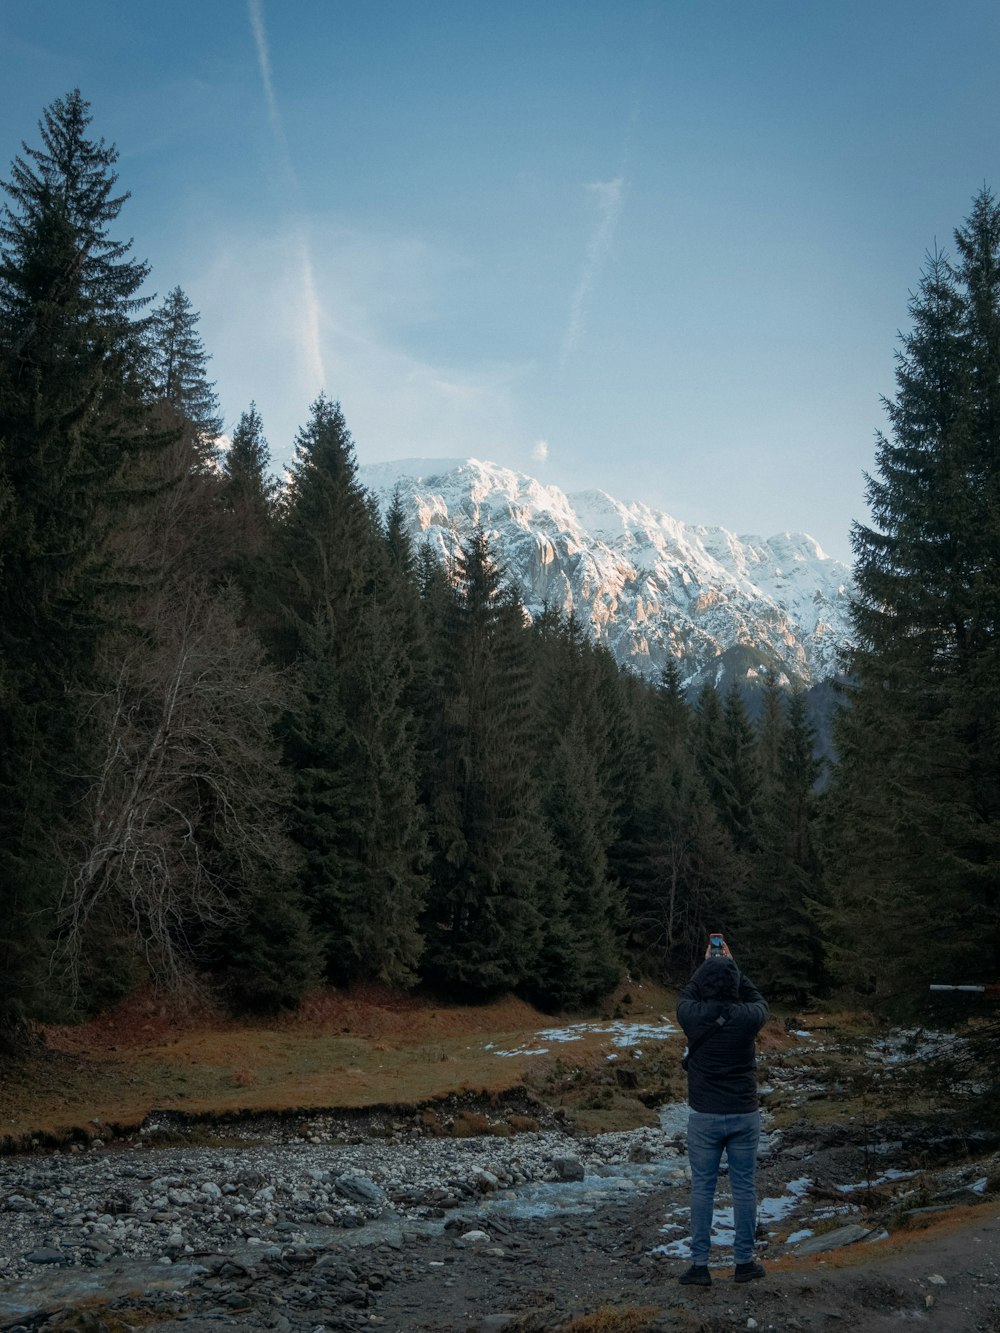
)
(252, 739)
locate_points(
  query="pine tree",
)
(246, 466)
(915, 806)
(779, 931)
(177, 368)
(676, 858)
(247, 498)
(397, 539)
(582, 907)
(324, 537)
(741, 773)
(352, 739)
(482, 922)
(71, 419)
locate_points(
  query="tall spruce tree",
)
(250, 489)
(177, 369)
(581, 904)
(916, 797)
(71, 417)
(675, 857)
(482, 922)
(324, 538)
(351, 737)
(248, 496)
(779, 934)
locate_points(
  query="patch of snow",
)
(906, 1044)
(622, 1034)
(723, 1223)
(773, 1210)
(883, 1179)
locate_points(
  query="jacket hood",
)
(717, 979)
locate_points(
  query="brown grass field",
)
(360, 1048)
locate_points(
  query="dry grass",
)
(341, 1049)
(935, 1228)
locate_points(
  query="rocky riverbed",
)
(299, 1228)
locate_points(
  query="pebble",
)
(165, 1204)
(46, 1256)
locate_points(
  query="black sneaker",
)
(749, 1272)
(697, 1276)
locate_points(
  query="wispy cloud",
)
(607, 197)
(309, 321)
(540, 453)
(398, 402)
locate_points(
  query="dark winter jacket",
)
(722, 1072)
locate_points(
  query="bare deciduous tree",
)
(184, 814)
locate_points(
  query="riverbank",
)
(541, 1230)
(553, 1196)
(344, 1050)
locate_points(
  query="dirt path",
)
(549, 1275)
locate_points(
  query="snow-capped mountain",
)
(647, 585)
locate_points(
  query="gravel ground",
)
(444, 1234)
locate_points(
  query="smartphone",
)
(716, 944)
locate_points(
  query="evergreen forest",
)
(253, 739)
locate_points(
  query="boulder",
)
(833, 1240)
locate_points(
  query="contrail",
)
(309, 330)
(608, 196)
(264, 60)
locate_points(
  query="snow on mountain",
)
(648, 586)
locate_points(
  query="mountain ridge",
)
(645, 584)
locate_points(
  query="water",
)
(602, 1186)
(51, 1286)
(610, 1185)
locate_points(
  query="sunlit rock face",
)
(646, 585)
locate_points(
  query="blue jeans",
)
(707, 1137)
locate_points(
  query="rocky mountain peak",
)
(648, 586)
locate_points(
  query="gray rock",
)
(99, 1245)
(641, 1152)
(931, 1208)
(359, 1189)
(568, 1168)
(484, 1180)
(46, 1255)
(833, 1240)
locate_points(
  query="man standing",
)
(721, 1013)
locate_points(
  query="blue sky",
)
(656, 247)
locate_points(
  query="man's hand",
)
(725, 951)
